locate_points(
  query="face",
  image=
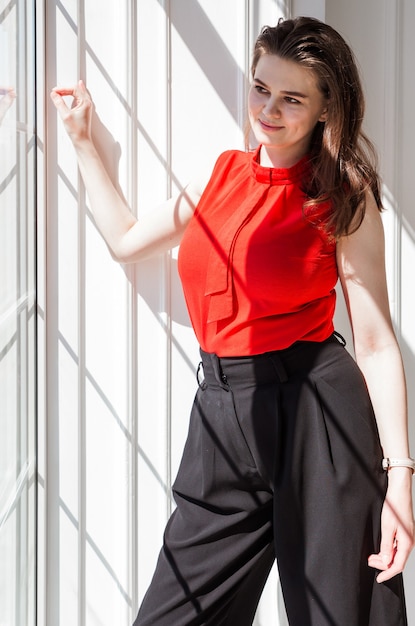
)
(284, 105)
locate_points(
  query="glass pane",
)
(17, 315)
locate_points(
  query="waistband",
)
(277, 365)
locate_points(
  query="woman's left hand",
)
(397, 526)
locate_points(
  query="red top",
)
(257, 275)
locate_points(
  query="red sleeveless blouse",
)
(257, 275)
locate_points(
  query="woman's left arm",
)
(361, 264)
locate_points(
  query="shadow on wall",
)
(110, 152)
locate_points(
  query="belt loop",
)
(340, 338)
(200, 377)
(279, 367)
(217, 369)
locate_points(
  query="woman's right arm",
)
(128, 239)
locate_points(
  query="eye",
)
(292, 100)
(261, 89)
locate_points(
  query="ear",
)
(324, 115)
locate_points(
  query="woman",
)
(285, 446)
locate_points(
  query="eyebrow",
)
(296, 94)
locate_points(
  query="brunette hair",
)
(344, 162)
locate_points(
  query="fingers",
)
(388, 565)
(381, 561)
(78, 92)
(393, 555)
(387, 571)
(77, 89)
(58, 101)
(397, 533)
(78, 116)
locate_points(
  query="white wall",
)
(117, 355)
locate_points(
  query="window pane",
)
(17, 315)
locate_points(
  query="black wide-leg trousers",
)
(282, 460)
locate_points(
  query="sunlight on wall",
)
(120, 356)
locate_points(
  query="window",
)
(17, 315)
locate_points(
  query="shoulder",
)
(231, 161)
(364, 248)
(230, 157)
(211, 176)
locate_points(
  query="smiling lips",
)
(269, 127)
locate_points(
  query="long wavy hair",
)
(343, 159)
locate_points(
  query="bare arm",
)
(128, 239)
(361, 264)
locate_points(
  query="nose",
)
(272, 108)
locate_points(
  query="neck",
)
(269, 157)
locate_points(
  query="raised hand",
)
(77, 118)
